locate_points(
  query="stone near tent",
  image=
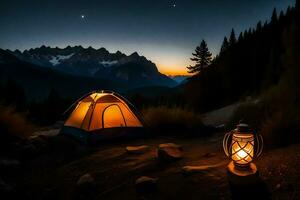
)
(186, 170)
(85, 188)
(9, 163)
(85, 179)
(145, 184)
(169, 152)
(137, 149)
(40, 143)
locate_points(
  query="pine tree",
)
(225, 45)
(202, 57)
(241, 37)
(266, 24)
(259, 26)
(232, 38)
(274, 17)
(245, 34)
(250, 31)
(297, 9)
(281, 15)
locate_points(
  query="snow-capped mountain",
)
(97, 63)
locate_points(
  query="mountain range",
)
(97, 63)
(83, 68)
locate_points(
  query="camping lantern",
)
(242, 146)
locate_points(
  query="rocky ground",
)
(195, 168)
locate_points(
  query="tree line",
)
(246, 65)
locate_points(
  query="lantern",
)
(242, 146)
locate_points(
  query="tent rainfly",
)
(102, 115)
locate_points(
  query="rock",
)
(40, 143)
(85, 188)
(137, 149)
(145, 184)
(10, 166)
(10, 163)
(85, 179)
(198, 169)
(169, 152)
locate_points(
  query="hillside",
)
(248, 64)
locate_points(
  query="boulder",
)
(86, 179)
(85, 188)
(145, 184)
(186, 170)
(169, 152)
(194, 169)
(137, 149)
(10, 166)
(40, 143)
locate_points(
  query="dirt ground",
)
(115, 172)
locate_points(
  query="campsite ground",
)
(54, 172)
(50, 165)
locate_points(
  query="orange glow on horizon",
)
(169, 71)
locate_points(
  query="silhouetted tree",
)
(281, 15)
(259, 26)
(241, 37)
(225, 45)
(232, 38)
(250, 32)
(256, 58)
(202, 57)
(274, 17)
(245, 34)
(265, 24)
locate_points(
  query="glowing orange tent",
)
(102, 115)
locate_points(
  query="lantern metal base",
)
(242, 175)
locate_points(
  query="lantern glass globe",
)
(242, 149)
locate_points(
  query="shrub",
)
(282, 127)
(251, 113)
(276, 116)
(166, 120)
(13, 126)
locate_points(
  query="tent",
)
(102, 115)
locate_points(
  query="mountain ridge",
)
(96, 63)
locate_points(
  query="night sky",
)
(166, 32)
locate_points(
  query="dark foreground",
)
(56, 164)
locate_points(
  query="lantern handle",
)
(260, 145)
(225, 143)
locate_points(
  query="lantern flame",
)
(242, 148)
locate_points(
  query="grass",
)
(276, 116)
(173, 120)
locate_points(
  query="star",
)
(174, 5)
(82, 16)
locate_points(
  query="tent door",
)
(113, 117)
